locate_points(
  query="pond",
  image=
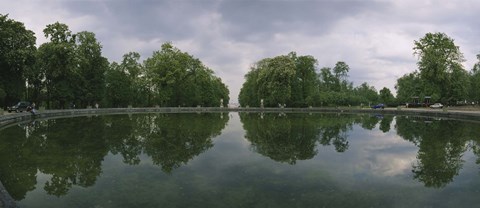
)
(242, 160)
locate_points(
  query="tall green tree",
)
(386, 96)
(408, 86)
(139, 86)
(334, 87)
(117, 86)
(91, 67)
(367, 94)
(440, 66)
(17, 56)
(474, 93)
(179, 79)
(248, 95)
(305, 83)
(275, 80)
(476, 67)
(340, 72)
(57, 63)
(287, 79)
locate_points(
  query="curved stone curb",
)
(6, 201)
(9, 119)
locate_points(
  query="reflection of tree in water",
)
(333, 129)
(18, 172)
(385, 123)
(71, 155)
(169, 139)
(291, 137)
(280, 138)
(123, 137)
(368, 122)
(71, 150)
(441, 146)
(174, 139)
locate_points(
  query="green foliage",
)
(476, 67)
(17, 55)
(293, 80)
(293, 137)
(441, 146)
(288, 79)
(90, 70)
(407, 86)
(440, 68)
(179, 79)
(117, 87)
(366, 94)
(70, 69)
(334, 88)
(57, 64)
(386, 97)
(474, 93)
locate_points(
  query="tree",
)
(334, 87)
(367, 94)
(91, 69)
(117, 87)
(407, 86)
(248, 95)
(440, 66)
(476, 67)
(57, 63)
(17, 55)
(275, 80)
(287, 79)
(304, 86)
(179, 79)
(137, 75)
(386, 96)
(340, 72)
(474, 93)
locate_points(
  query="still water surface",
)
(242, 160)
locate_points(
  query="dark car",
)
(19, 107)
(381, 105)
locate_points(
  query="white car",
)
(436, 105)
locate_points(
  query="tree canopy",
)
(69, 70)
(295, 81)
(288, 79)
(179, 79)
(440, 71)
(17, 55)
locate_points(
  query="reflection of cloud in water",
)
(233, 132)
(384, 154)
(373, 154)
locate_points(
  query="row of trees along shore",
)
(70, 70)
(294, 80)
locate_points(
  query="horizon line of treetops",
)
(70, 69)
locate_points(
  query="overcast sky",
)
(374, 37)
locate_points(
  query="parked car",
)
(436, 105)
(19, 107)
(380, 105)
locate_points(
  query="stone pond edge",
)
(13, 118)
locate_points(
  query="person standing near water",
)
(32, 109)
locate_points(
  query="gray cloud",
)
(252, 20)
